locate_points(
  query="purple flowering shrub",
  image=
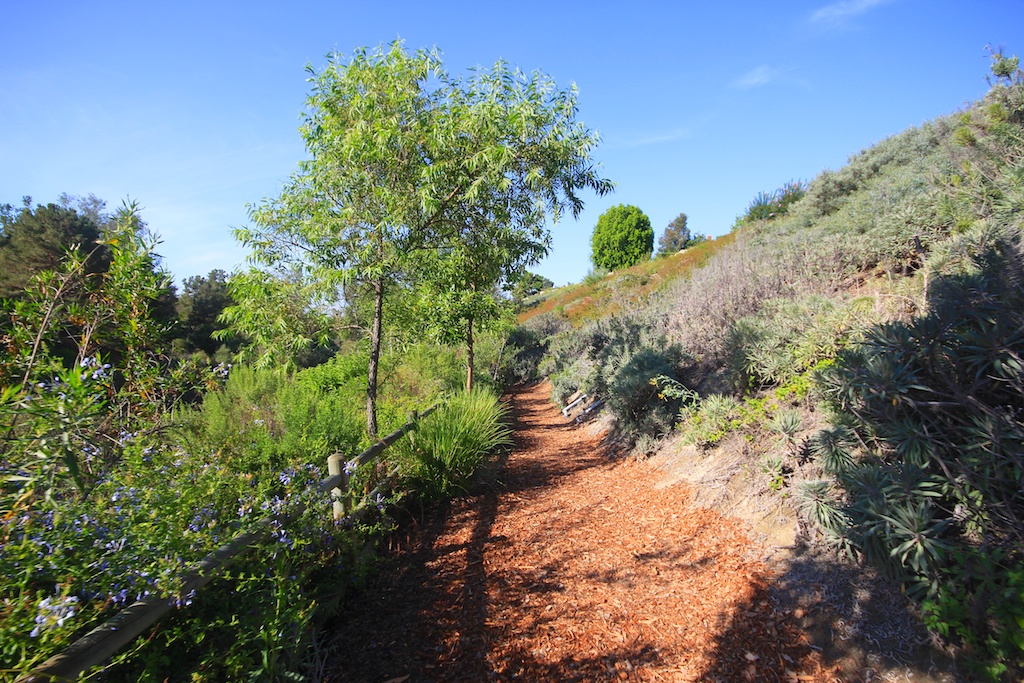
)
(111, 485)
(102, 503)
(70, 565)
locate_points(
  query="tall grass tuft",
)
(447, 447)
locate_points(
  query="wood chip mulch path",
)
(573, 567)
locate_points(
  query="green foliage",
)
(265, 420)
(1006, 69)
(963, 136)
(706, 422)
(672, 389)
(526, 347)
(111, 486)
(827, 192)
(201, 303)
(459, 295)
(819, 503)
(282, 319)
(62, 416)
(633, 395)
(529, 284)
(415, 176)
(787, 423)
(98, 508)
(935, 490)
(833, 448)
(622, 237)
(789, 337)
(419, 376)
(56, 247)
(446, 448)
(776, 470)
(771, 205)
(675, 237)
(618, 360)
(36, 240)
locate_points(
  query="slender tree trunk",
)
(497, 363)
(469, 354)
(371, 381)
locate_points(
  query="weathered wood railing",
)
(101, 643)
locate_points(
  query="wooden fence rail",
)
(101, 643)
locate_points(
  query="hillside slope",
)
(851, 369)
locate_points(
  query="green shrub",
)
(446, 448)
(101, 506)
(777, 472)
(618, 359)
(787, 423)
(937, 497)
(421, 375)
(523, 353)
(262, 421)
(706, 423)
(633, 395)
(771, 205)
(623, 236)
(788, 337)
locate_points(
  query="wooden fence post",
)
(335, 466)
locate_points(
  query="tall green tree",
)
(34, 240)
(622, 237)
(530, 284)
(536, 162)
(406, 160)
(202, 301)
(461, 289)
(675, 237)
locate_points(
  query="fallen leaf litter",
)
(573, 567)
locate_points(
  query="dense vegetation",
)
(863, 333)
(130, 447)
(121, 469)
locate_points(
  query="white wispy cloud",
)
(756, 77)
(839, 12)
(657, 137)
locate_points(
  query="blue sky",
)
(192, 108)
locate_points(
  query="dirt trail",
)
(573, 567)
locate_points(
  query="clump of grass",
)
(447, 447)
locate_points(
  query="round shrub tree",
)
(623, 236)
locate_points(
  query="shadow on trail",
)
(423, 615)
(841, 622)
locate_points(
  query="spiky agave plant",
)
(821, 506)
(934, 493)
(832, 448)
(787, 424)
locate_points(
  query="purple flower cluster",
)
(93, 369)
(53, 612)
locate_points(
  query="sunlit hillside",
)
(601, 296)
(851, 357)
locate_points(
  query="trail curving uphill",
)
(573, 567)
